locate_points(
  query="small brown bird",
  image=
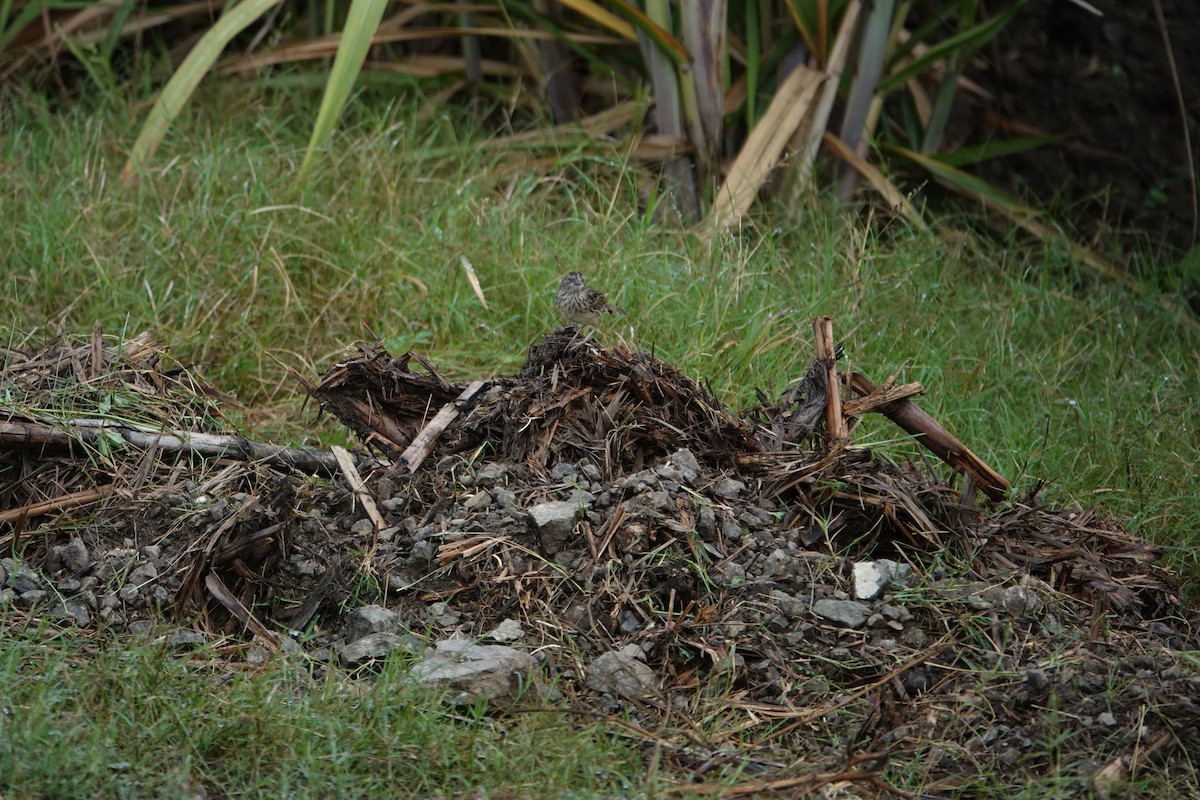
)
(582, 304)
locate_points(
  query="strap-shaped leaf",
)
(362, 22)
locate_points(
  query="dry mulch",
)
(717, 549)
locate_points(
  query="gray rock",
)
(639, 481)
(591, 471)
(142, 574)
(565, 471)
(791, 606)
(507, 498)
(422, 552)
(74, 610)
(731, 530)
(473, 672)
(729, 489)
(152, 552)
(362, 527)
(687, 463)
(374, 647)
(554, 522)
(491, 474)
(670, 474)
(869, 580)
(780, 564)
(72, 556)
(621, 673)
(478, 501)
(850, 613)
(1022, 602)
(31, 598)
(23, 581)
(443, 615)
(508, 630)
(706, 524)
(364, 621)
(4, 573)
(69, 586)
(186, 640)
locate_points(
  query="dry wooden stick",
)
(423, 443)
(857, 406)
(937, 439)
(233, 605)
(57, 504)
(31, 434)
(359, 487)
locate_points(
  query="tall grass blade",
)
(966, 156)
(703, 29)
(602, 17)
(668, 107)
(181, 85)
(646, 25)
(361, 23)
(811, 139)
(872, 49)
(961, 45)
(764, 147)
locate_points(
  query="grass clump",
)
(90, 718)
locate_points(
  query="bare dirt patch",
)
(600, 531)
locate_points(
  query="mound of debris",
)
(744, 590)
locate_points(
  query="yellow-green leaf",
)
(362, 22)
(179, 89)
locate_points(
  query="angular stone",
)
(366, 620)
(143, 573)
(72, 557)
(490, 474)
(186, 640)
(687, 463)
(850, 613)
(554, 522)
(477, 501)
(869, 580)
(729, 489)
(375, 647)
(473, 672)
(621, 673)
(508, 630)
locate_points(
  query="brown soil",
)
(1013, 638)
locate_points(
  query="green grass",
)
(1041, 370)
(95, 718)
